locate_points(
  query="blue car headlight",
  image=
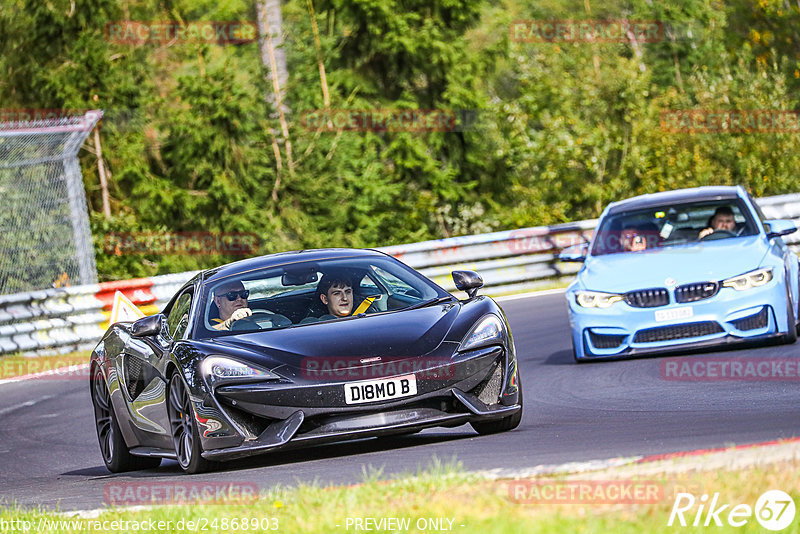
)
(220, 368)
(756, 278)
(485, 332)
(596, 299)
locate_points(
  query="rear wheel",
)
(501, 425)
(115, 452)
(183, 425)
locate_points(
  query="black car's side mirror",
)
(148, 326)
(468, 281)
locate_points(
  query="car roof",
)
(695, 194)
(285, 258)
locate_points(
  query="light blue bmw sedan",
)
(682, 270)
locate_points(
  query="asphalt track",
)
(49, 454)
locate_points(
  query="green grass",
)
(445, 491)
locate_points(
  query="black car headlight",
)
(596, 299)
(756, 278)
(222, 369)
(485, 332)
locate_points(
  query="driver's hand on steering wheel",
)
(241, 313)
(705, 232)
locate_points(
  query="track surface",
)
(49, 453)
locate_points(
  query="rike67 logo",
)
(774, 510)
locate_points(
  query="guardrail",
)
(74, 318)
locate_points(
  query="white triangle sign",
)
(123, 309)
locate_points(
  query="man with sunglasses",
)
(231, 300)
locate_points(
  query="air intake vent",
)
(680, 331)
(606, 341)
(759, 320)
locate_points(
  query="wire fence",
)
(45, 240)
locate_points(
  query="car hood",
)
(698, 262)
(398, 335)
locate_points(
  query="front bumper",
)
(263, 416)
(728, 317)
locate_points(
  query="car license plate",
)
(377, 390)
(674, 313)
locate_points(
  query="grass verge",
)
(441, 498)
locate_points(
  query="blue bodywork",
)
(729, 315)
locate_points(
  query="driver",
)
(231, 299)
(723, 219)
(336, 293)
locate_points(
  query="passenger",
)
(231, 300)
(723, 219)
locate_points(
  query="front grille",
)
(680, 331)
(759, 320)
(647, 298)
(606, 341)
(696, 291)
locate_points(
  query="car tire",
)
(791, 321)
(501, 425)
(183, 426)
(115, 452)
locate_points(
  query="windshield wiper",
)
(431, 302)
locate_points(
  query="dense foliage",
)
(553, 130)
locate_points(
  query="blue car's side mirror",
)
(574, 253)
(779, 227)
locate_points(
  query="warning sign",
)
(124, 310)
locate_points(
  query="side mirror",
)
(574, 253)
(148, 326)
(779, 227)
(468, 281)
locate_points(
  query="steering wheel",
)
(718, 234)
(261, 320)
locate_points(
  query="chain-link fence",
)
(45, 239)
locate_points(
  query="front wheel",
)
(183, 425)
(115, 451)
(791, 322)
(501, 425)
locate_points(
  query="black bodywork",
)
(303, 400)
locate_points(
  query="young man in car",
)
(336, 293)
(723, 219)
(231, 300)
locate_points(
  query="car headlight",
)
(596, 299)
(488, 330)
(756, 278)
(219, 368)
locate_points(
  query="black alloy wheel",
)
(183, 425)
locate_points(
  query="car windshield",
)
(673, 224)
(310, 292)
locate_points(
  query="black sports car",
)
(296, 348)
